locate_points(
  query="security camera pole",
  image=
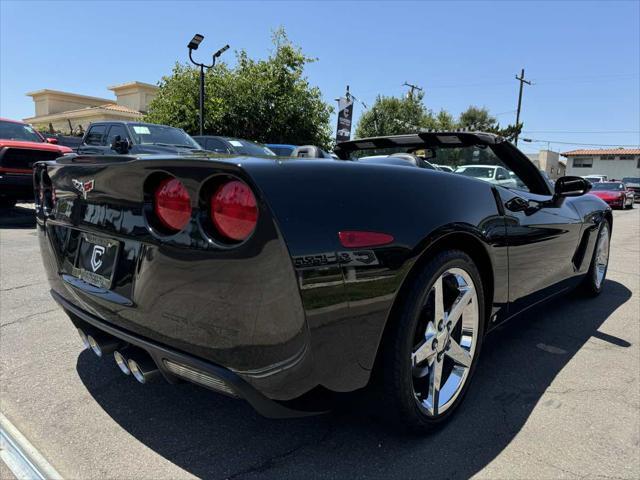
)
(193, 45)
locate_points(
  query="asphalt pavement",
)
(556, 395)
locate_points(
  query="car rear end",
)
(633, 184)
(178, 267)
(615, 199)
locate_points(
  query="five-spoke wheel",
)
(446, 339)
(433, 344)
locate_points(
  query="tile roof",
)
(118, 108)
(613, 151)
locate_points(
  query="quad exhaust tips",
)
(130, 360)
(138, 363)
(98, 342)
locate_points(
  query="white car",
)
(596, 178)
(445, 168)
(489, 173)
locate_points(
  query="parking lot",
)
(557, 395)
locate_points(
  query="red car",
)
(20, 147)
(616, 194)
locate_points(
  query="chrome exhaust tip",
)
(121, 361)
(102, 344)
(142, 367)
(84, 338)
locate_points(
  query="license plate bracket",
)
(97, 260)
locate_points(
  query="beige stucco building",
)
(72, 113)
(549, 161)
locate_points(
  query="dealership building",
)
(69, 113)
(616, 163)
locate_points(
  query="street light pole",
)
(193, 45)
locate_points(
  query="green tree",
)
(475, 118)
(445, 121)
(266, 100)
(394, 116)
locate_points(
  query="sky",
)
(583, 57)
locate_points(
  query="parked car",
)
(596, 178)
(616, 194)
(444, 168)
(633, 184)
(20, 147)
(133, 138)
(281, 149)
(233, 146)
(282, 282)
(489, 173)
(71, 141)
(520, 183)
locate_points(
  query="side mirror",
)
(52, 140)
(121, 146)
(571, 187)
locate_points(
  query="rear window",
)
(95, 135)
(245, 147)
(608, 186)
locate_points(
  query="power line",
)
(580, 131)
(581, 143)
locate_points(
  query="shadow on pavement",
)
(17, 217)
(212, 436)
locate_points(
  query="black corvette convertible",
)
(283, 280)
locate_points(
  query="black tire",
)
(7, 202)
(590, 285)
(400, 405)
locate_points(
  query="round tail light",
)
(172, 204)
(234, 212)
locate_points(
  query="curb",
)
(22, 458)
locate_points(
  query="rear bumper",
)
(160, 354)
(16, 185)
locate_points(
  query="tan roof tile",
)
(612, 151)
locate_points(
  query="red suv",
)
(20, 147)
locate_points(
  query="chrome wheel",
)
(602, 256)
(445, 341)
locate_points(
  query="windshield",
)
(245, 147)
(19, 131)
(607, 186)
(631, 179)
(477, 172)
(145, 134)
(282, 151)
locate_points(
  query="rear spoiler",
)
(423, 139)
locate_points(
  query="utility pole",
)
(522, 82)
(412, 87)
